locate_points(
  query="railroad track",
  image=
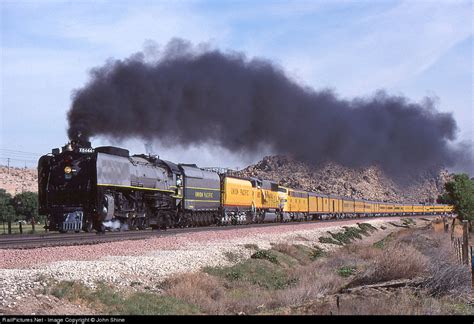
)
(31, 241)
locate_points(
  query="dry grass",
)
(401, 302)
(447, 276)
(406, 255)
(282, 279)
(198, 289)
(214, 296)
(394, 262)
(302, 253)
(314, 280)
(289, 279)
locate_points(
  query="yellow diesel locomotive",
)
(249, 200)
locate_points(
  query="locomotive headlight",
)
(67, 169)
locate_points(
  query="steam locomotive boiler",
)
(82, 188)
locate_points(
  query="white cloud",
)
(383, 50)
(159, 22)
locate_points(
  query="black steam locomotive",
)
(85, 188)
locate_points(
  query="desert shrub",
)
(366, 227)
(153, 304)
(232, 256)
(71, 290)
(266, 255)
(449, 279)
(408, 221)
(329, 240)
(349, 234)
(383, 242)
(399, 225)
(446, 276)
(198, 289)
(402, 302)
(244, 297)
(260, 272)
(313, 281)
(395, 262)
(251, 246)
(346, 271)
(110, 301)
(316, 253)
(300, 253)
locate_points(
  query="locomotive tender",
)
(104, 188)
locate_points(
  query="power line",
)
(16, 163)
(5, 156)
(17, 151)
(20, 160)
(18, 157)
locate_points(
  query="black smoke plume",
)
(193, 95)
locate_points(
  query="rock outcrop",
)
(365, 183)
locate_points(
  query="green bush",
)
(329, 240)
(346, 271)
(266, 255)
(260, 272)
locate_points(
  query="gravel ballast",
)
(151, 260)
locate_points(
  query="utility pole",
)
(8, 165)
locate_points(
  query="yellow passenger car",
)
(383, 208)
(407, 209)
(348, 206)
(426, 209)
(398, 209)
(368, 207)
(418, 209)
(358, 206)
(312, 203)
(297, 201)
(439, 209)
(319, 204)
(335, 204)
(390, 208)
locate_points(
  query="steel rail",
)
(31, 241)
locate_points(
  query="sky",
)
(410, 48)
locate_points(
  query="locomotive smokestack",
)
(195, 95)
(149, 148)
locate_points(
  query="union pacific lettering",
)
(241, 192)
(201, 194)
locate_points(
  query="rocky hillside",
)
(367, 183)
(18, 180)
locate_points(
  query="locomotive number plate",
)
(86, 150)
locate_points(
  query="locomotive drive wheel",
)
(99, 227)
(88, 226)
